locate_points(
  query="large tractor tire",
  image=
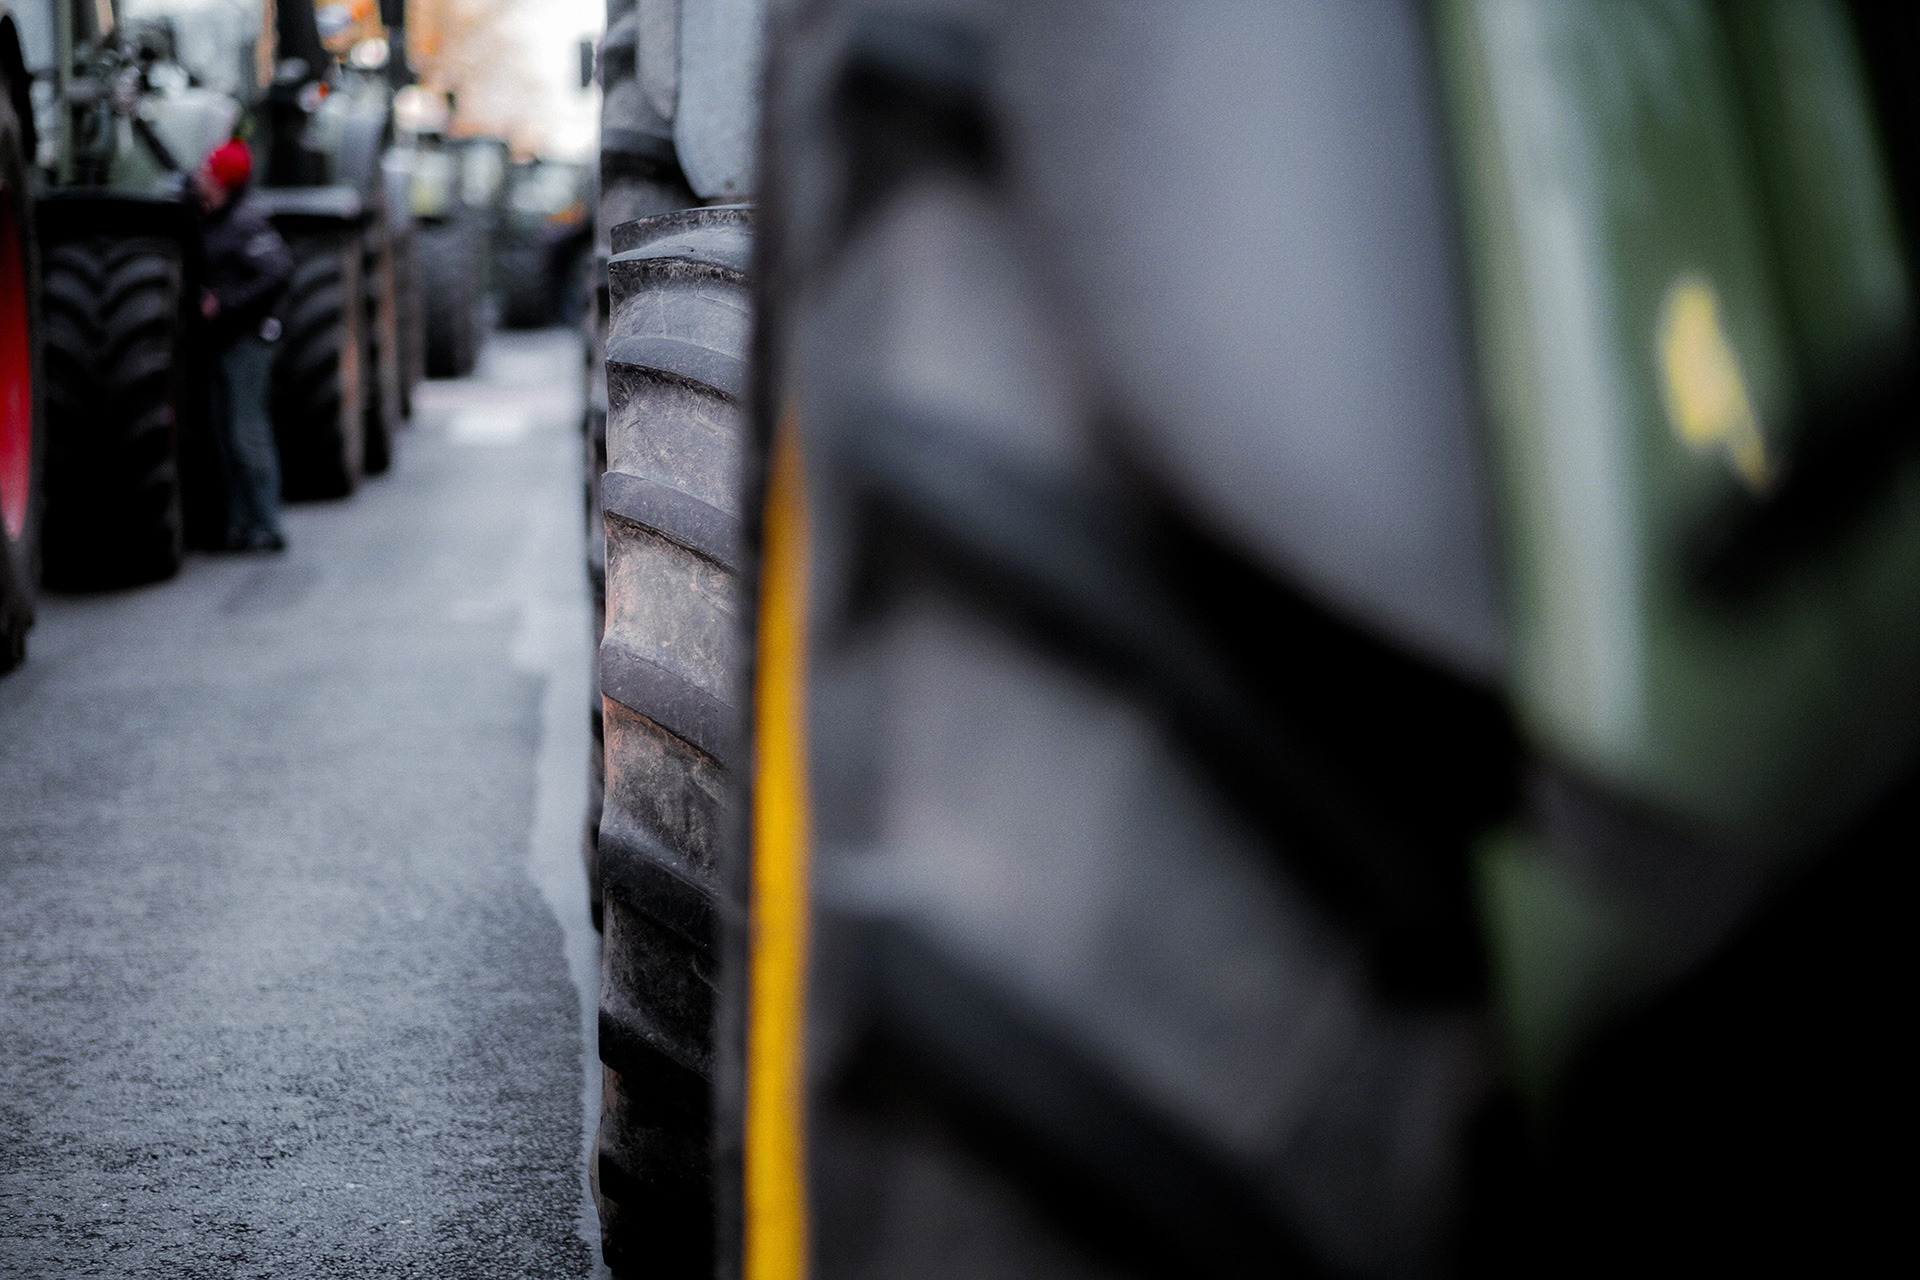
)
(1085, 939)
(385, 356)
(320, 380)
(20, 427)
(451, 273)
(639, 178)
(1107, 897)
(676, 353)
(412, 317)
(593, 457)
(529, 293)
(114, 343)
(639, 172)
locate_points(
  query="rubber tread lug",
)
(671, 701)
(705, 366)
(678, 517)
(641, 871)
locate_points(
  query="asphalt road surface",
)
(295, 964)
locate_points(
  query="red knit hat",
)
(230, 164)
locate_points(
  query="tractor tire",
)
(114, 342)
(20, 416)
(450, 279)
(385, 357)
(1121, 896)
(320, 379)
(593, 440)
(676, 352)
(412, 340)
(1058, 948)
(639, 178)
(639, 173)
(529, 294)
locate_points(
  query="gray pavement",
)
(295, 965)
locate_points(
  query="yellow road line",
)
(775, 1247)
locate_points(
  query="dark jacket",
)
(246, 266)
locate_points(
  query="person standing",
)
(246, 266)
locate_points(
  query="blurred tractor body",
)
(457, 186)
(541, 252)
(124, 114)
(339, 379)
(120, 123)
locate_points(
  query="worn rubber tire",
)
(593, 457)
(412, 338)
(639, 172)
(385, 357)
(113, 346)
(320, 380)
(638, 178)
(676, 352)
(529, 294)
(450, 276)
(1073, 996)
(21, 429)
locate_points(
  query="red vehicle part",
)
(16, 377)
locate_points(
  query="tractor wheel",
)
(385, 357)
(411, 340)
(639, 179)
(593, 433)
(1077, 935)
(639, 173)
(320, 379)
(20, 437)
(528, 291)
(676, 352)
(113, 345)
(450, 273)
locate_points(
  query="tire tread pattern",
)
(666, 670)
(449, 266)
(319, 377)
(112, 339)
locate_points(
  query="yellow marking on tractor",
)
(776, 1202)
(1706, 394)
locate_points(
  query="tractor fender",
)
(314, 209)
(72, 213)
(719, 93)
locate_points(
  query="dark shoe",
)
(263, 540)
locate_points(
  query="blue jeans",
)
(243, 435)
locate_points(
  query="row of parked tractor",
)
(407, 244)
